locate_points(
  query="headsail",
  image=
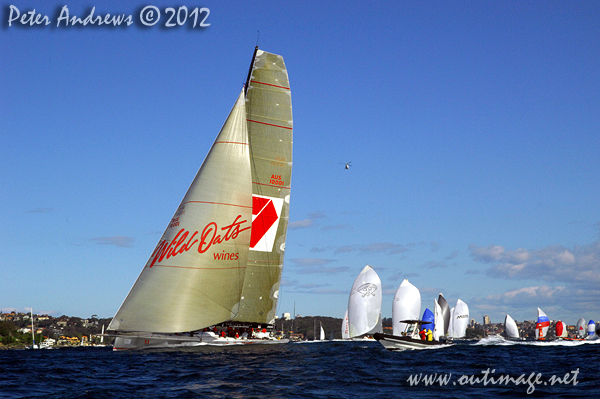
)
(364, 304)
(194, 277)
(269, 117)
(406, 306)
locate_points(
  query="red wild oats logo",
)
(183, 241)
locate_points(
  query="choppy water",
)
(300, 370)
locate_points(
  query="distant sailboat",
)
(510, 328)
(34, 345)
(322, 334)
(542, 325)
(345, 327)
(459, 320)
(591, 329)
(580, 327)
(560, 329)
(364, 304)
(217, 268)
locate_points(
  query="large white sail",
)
(269, 109)
(194, 277)
(364, 304)
(406, 306)
(510, 327)
(459, 320)
(439, 323)
(445, 312)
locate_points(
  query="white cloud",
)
(317, 266)
(569, 279)
(118, 241)
(554, 263)
(301, 224)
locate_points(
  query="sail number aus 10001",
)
(276, 180)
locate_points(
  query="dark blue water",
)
(309, 370)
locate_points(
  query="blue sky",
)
(473, 129)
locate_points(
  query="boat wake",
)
(501, 341)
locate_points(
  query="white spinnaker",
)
(194, 278)
(510, 327)
(364, 304)
(438, 329)
(460, 320)
(445, 312)
(406, 306)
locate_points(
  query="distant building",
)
(286, 316)
(486, 320)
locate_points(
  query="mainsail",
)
(269, 109)
(221, 256)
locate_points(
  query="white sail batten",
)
(269, 117)
(406, 306)
(194, 277)
(364, 304)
